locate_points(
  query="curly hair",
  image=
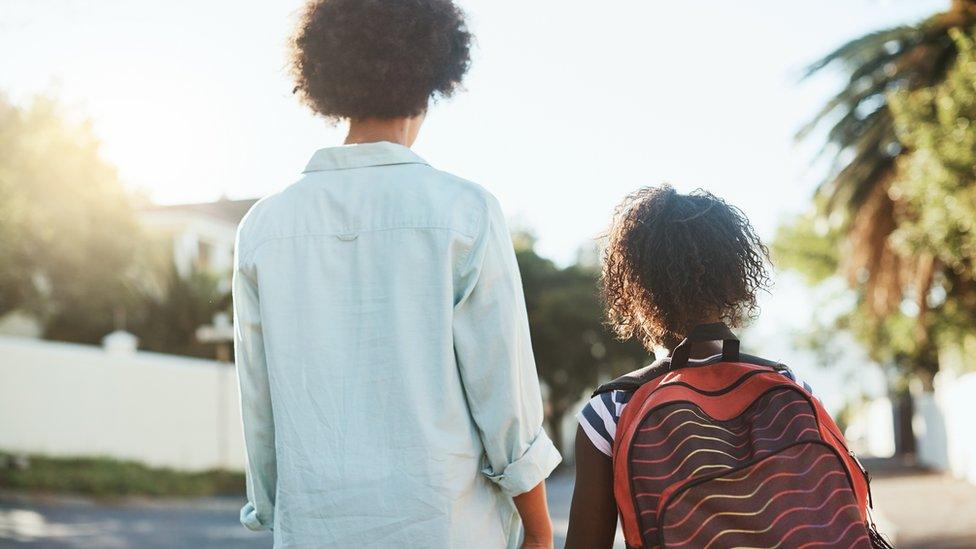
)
(378, 58)
(674, 261)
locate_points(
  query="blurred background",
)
(134, 135)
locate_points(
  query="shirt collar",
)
(361, 155)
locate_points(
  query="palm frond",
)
(861, 133)
(854, 52)
(872, 261)
(872, 154)
(915, 60)
(849, 98)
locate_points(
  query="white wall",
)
(63, 399)
(872, 429)
(944, 425)
(20, 324)
(945, 438)
(931, 438)
(187, 230)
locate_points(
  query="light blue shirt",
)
(388, 388)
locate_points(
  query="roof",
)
(231, 211)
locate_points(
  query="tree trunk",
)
(904, 432)
(965, 7)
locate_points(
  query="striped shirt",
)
(600, 415)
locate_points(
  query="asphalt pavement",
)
(918, 509)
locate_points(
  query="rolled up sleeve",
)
(250, 520)
(494, 353)
(526, 472)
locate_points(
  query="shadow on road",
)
(922, 508)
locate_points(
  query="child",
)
(388, 388)
(688, 266)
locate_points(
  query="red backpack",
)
(729, 452)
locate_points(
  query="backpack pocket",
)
(799, 496)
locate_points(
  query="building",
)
(200, 235)
(191, 236)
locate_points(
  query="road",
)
(924, 510)
(920, 510)
(65, 522)
(59, 522)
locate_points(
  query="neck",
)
(704, 349)
(402, 131)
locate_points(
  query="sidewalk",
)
(922, 509)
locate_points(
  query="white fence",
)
(62, 399)
(945, 438)
(872, 429)
(943, 424)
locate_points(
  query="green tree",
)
(856, 209)
(166, 319)
(930, 228)
(936, 186)
(905, 235)
(574, 352)
(67, 231)
(860, 130)
(809, 247)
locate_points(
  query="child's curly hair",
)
(674, 261)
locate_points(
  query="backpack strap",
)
(759, 361)
(716, 331)
(635, 380)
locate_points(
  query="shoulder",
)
(422, 192)
(249, 230)
(459, 184)
(792, 376)
(599, 418)
(466, 193)
(470, 207)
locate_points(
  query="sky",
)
(569, 105)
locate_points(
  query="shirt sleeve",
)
(788, 372)
(494, 354)
(252, 373)
(599, 422)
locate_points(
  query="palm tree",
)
(857, 199)
(860, 135)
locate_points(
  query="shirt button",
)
(347, 237)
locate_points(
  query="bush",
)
(103, 477)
